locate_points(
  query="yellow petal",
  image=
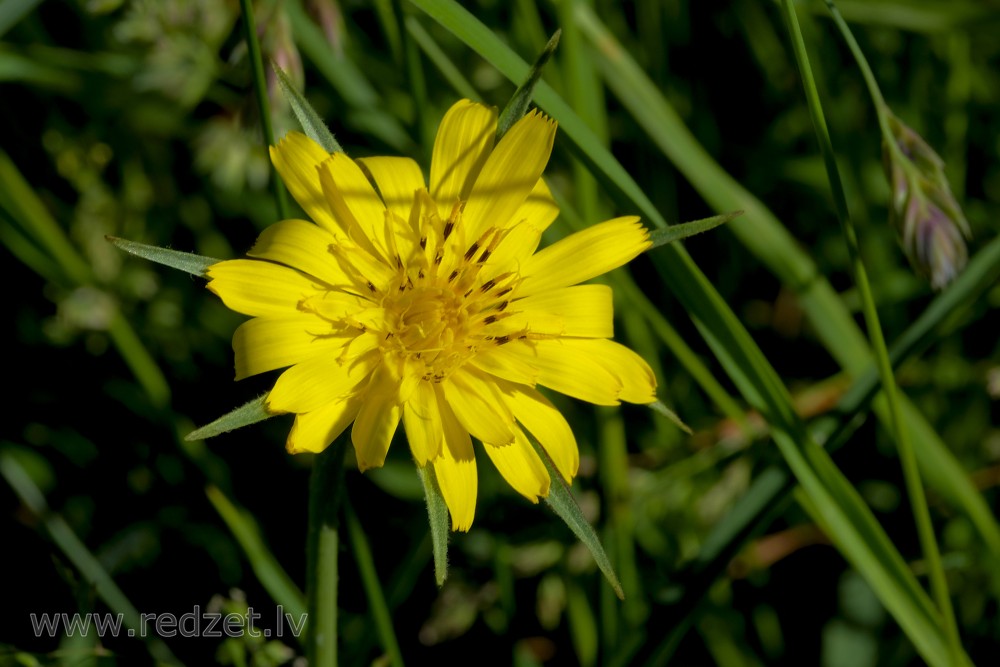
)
(314, 431)
(478, 406)
(583, 311)
(509, 175)
(455, 469)
(377, 420)
(503, 363)
(306, 386)
(521, 467)
(637, 378)
(519, 241)
(266, 343)
(260, 288)
(537, 212)
(539, 209)
(296, 158)
(422, 421)
(334, 305)
(583, 255)
(566, 366)
(303, 246)
(547, 424)
(463, 142)
(397, 179)
(354, 202)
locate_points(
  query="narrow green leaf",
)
(736, 350)
(562, 502)
(363, 107)
(250, 412)
(269, 572)
(437, 514)
(23, 207)
(900, 430)
(373, 587)
(311, 123)
(13, 11)
(189, 262)
(766, 496)
(263, 101)
(684, 230)
(518, 104)
(76, 551)
(764, 235)
(326, 492)
(445, 66)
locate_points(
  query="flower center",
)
(430, 297)
(429, 323)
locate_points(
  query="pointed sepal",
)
(518, 104)
(189, 262)
(249, 413)
(311, 122)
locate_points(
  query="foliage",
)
(138, 120)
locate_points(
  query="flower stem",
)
(911, 472)
(881, 108)
(260, 92)
(321, 558)
(373, 588)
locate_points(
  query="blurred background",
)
(136, 118)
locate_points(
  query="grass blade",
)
(265, 566)
(76, 551)
(876, 558)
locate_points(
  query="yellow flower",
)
(432, 306)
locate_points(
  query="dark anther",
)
(471, 251)
(490, 320)
(487, 286)
(423, 243)
(485, 256)
(454, 274)
(447, 228)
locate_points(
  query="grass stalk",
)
(260, 92)
(373, 587)
(907, 455)
(323, 542)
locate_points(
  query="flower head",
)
(430, 306)
(929, 220)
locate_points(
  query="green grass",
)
(140, 123)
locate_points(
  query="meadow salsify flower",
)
(430, 306)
